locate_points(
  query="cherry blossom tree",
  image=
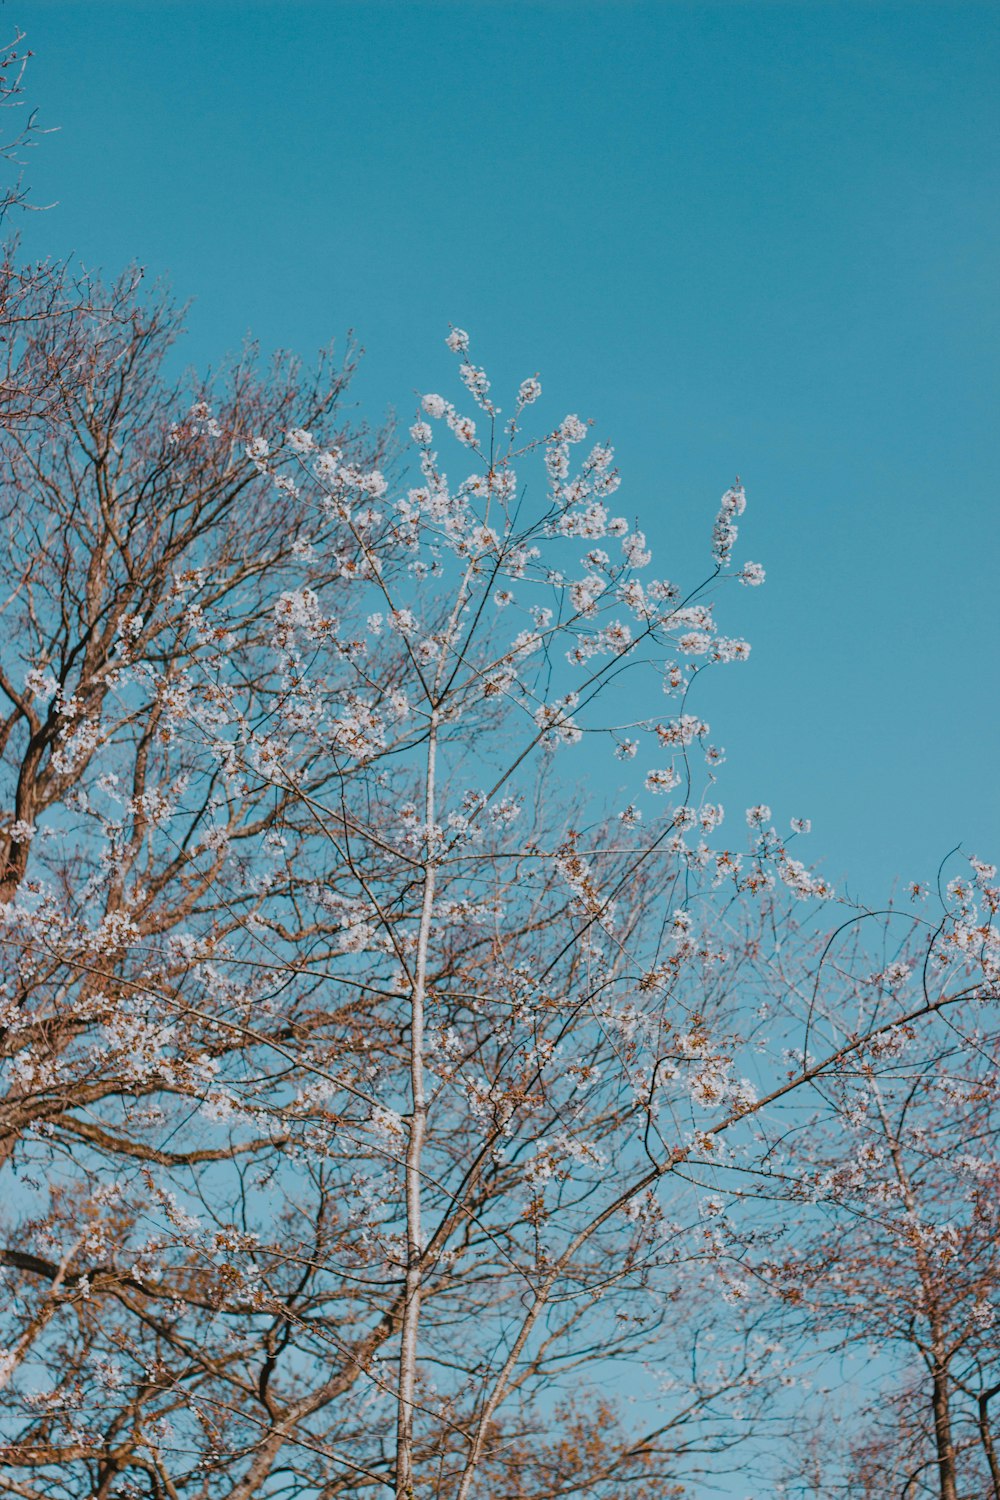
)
(392, 1043)
(897, 1253)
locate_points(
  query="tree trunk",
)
(414, 1153)
(942, 1433)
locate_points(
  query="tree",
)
(105, 705)
(901, 1163)
(376, 1085)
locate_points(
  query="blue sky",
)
(746, 238)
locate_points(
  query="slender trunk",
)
(414, 1153)
(942, 1432)
(944, 1445)
(492, 1402)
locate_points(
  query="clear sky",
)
(746, 238)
